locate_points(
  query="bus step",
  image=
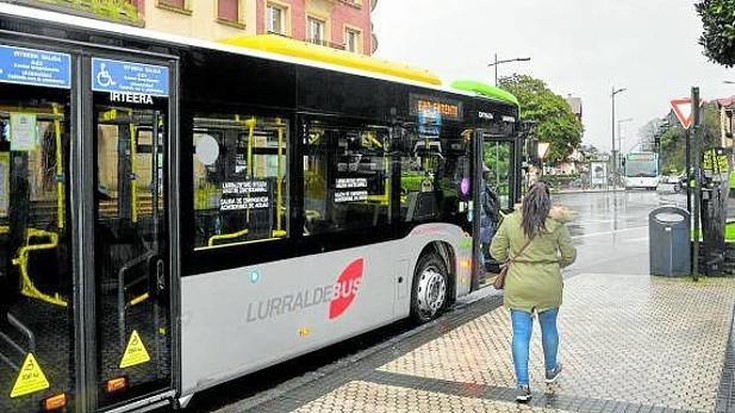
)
(487, 280)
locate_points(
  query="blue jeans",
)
(522, 328)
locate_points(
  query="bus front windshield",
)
(641, 169)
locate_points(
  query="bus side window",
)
(422, 163)
(435, 176)
(346, 179)
(240, 179)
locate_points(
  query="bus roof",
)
(428, 81)
(381, 70)
(293, 48)
(487, 91)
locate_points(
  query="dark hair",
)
(535, 209)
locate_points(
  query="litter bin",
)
(669, 241)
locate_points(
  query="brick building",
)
(342, 24)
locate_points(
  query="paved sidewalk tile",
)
(358, 396)
(636, 339)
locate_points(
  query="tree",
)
(590, 152)
(718, 39)
(673, 145)
(555, 122)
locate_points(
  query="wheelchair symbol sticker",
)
(129, 77)
(104, 78)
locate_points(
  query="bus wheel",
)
(429, 290)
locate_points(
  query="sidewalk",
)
(629, 343)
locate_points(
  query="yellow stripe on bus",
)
(303, 50)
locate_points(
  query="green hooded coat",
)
(534, 279)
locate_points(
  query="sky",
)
(578, 47)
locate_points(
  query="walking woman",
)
(538, 245)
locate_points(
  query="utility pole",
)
(497, 62)
(697, 179)
(495, 65)
(614, 156)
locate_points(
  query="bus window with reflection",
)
(435, 176)
(240, 179)
(347, 180)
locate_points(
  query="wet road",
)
(611, 229)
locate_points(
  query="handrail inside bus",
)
(250, 124)
(27, 287)
(60, 193)
(133, 164)
(221, 237)
(278, 232)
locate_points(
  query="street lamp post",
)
(614, 157)
(620, 134)
(499, 62)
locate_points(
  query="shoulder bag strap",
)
(521, 251)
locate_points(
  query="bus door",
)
(499, 173)
(498, 190)
(131, 116)
(36, 277)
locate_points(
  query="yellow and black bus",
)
(175, 214)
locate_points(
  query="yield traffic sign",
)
(683, 111)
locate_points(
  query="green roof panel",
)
(483, 89)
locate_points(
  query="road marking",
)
(599, 234)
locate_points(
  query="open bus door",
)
(85, 229)
(498, 175)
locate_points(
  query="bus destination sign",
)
(641, 156)
(35, 67)
(129, 77)
(446, 108)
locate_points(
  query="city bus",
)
(175, 214)
(641, 170)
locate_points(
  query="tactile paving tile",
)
(638, 339)
(359, 396)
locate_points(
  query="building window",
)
(179, 6)
(275, 16)
(353, 41)
(228, 10)
(241, 185)
(315, 30)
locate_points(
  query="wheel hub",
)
(432, 291)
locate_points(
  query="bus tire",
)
(429, 292)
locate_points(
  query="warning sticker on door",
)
(135, 353)
(30, 379)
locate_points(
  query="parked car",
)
(671, 183)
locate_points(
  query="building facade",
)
(726, 107)
(341, 24)
(575, 104)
